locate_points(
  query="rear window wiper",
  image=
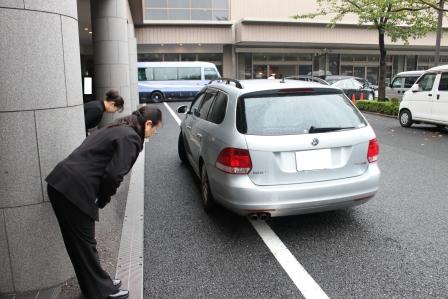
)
(314, 129)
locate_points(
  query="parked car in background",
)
(266, 148)
(353, 87)
(160, 81)
(401, 83)
(427, 100)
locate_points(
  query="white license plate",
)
(313, 160)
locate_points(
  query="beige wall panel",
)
(184, 35)
(296, 34)
(268, 9)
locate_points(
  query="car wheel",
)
(181, 148)
(405, 118)
(208, 203)
(157, 97)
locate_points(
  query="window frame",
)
(218, 92)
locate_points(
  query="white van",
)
(159, 81)
(427, 100)
(401, 83)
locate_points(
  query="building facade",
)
(258, 38)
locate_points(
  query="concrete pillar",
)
(41, 122)
(133, 76)
(229, 62)
(110, 51)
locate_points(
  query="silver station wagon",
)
(267, 148)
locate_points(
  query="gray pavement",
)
(392, 247)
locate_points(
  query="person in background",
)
(85, 181)
(93, 111)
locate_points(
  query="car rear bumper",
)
(241, 195)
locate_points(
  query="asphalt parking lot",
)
(395, 246)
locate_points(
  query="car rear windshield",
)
(296, 114)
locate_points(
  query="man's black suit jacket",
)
(93, 113)
(97, 167)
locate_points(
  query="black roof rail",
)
(228, 80)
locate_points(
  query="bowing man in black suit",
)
(85, 181)
(94, 110)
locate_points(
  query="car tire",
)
(157, 97)
(405, 118)
(181, 148)
(208, 202)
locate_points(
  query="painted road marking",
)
(303, 281)
(176, 118)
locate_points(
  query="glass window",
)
(178, 3)
(141, 74)
(201, 14)
(155, 3)
(347, 70)
(411, 63)
(189, 73)
(409, 81)
(333, 63)
(149, 74)
(260, 71)
(220, 15)
(165, 73)
(244, 66)
(188, 57)
(205, 105)
(220, 4)
(156, 14)
(444, 82)
(210, 73)
(171, 57)
(178, 14)
(426, 82)
(195, 105)
(150, 57)
(260, 57)
(398, 82)
(201, 4)
(213, 57)
(218, 111)
(295, 114)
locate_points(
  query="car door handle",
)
(429, 94)
(189, 127)
(438, 96)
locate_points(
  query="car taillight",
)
(234, 161)
(374, 150)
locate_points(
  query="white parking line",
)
(176, 118)
(303, 281)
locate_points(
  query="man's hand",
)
(102, 202)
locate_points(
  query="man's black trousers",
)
(78, 232)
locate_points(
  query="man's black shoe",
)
(121, 294)
(116, 282)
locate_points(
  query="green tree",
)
(398, 19)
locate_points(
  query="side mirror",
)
(182, 109)
(415, 88)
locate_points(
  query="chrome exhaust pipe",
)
(253, 216)
(264, 216)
